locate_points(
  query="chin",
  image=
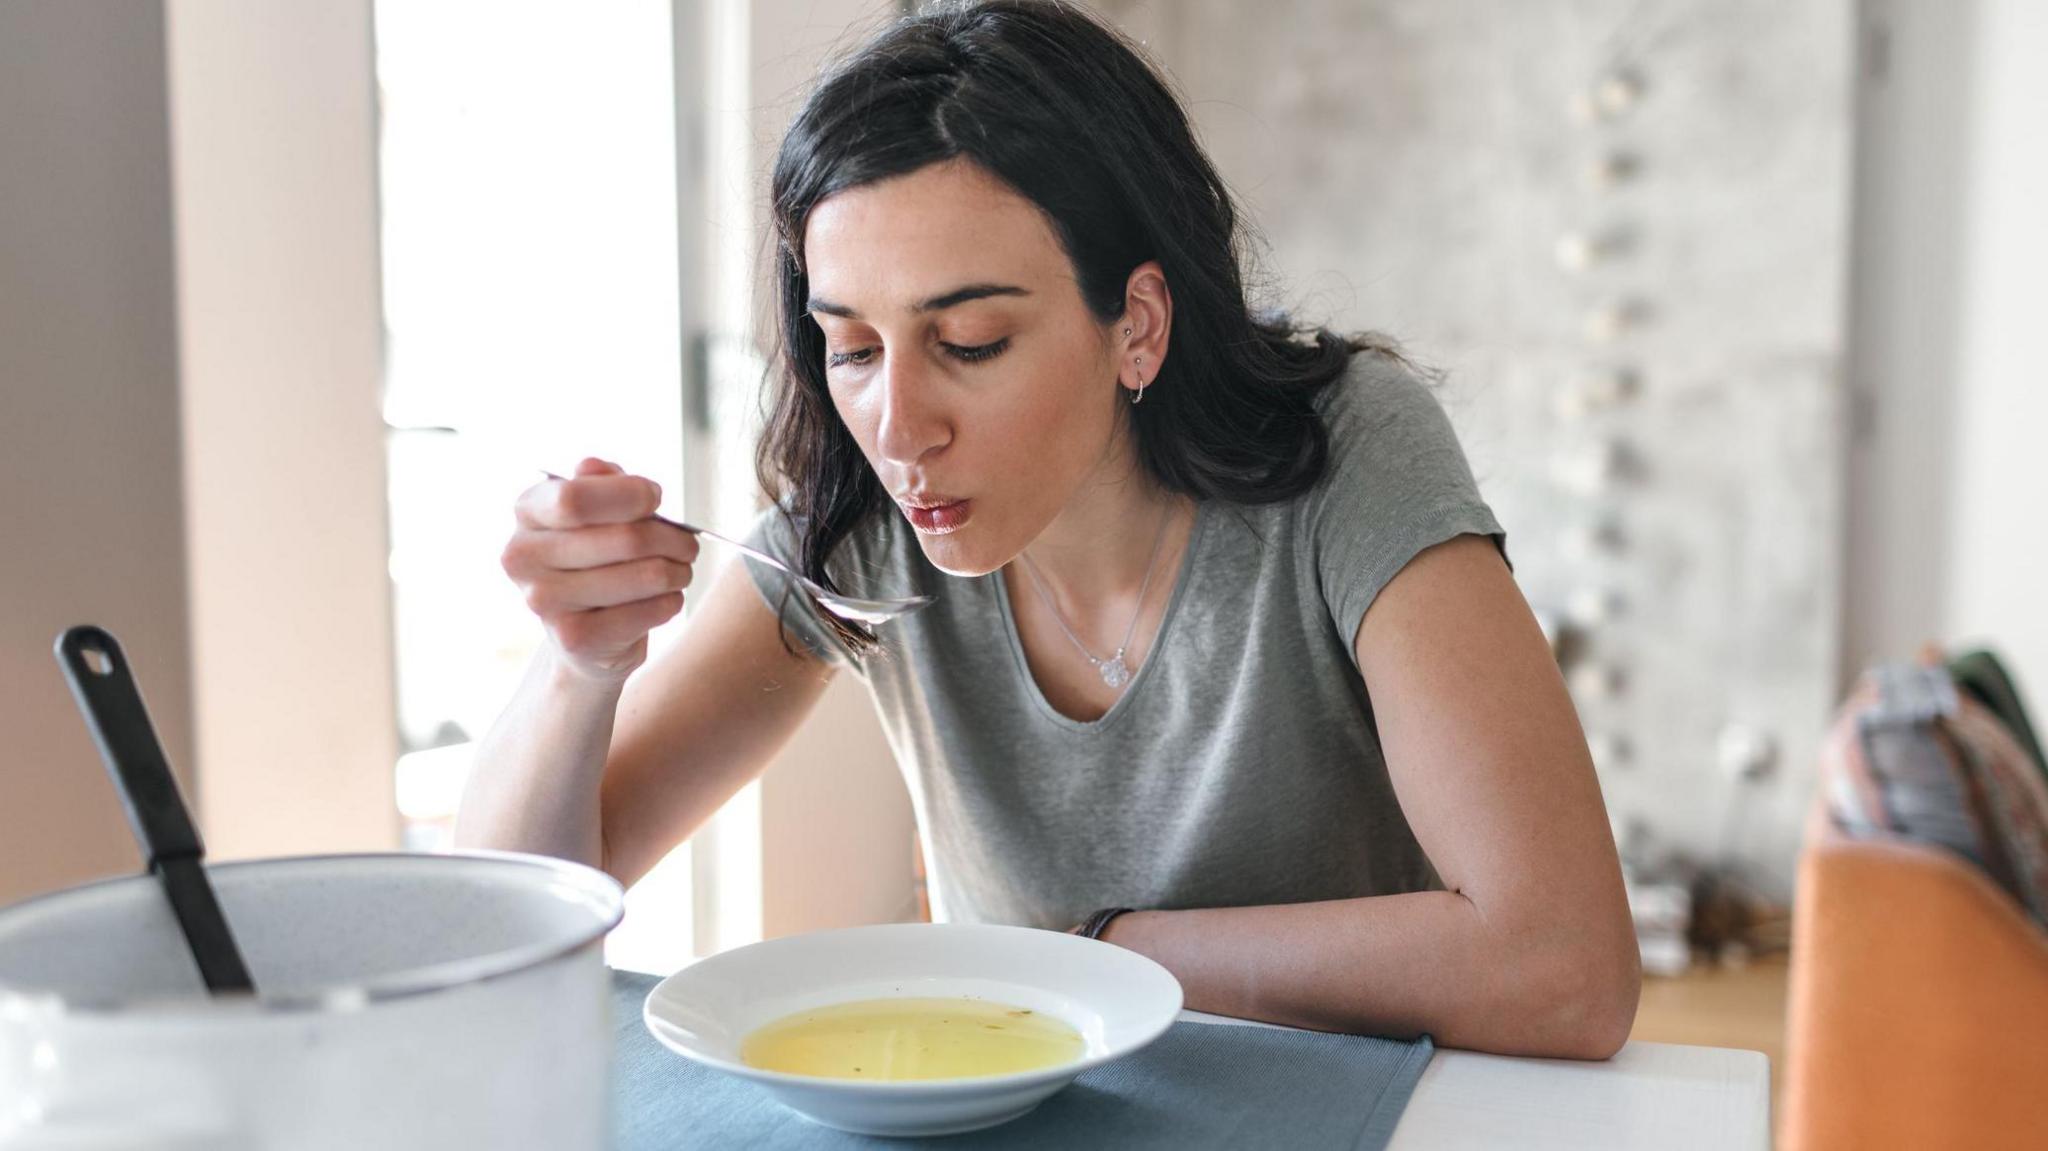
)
(960, 553)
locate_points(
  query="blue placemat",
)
(1199, 1086)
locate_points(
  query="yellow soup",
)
(898, 1039)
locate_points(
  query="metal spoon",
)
(867, 611)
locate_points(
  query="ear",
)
(1140, 336)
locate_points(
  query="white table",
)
(1660, 1095)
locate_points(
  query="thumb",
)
(592, 466)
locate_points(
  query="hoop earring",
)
(1139, 397)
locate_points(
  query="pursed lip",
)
(926, 500)
(936, 515)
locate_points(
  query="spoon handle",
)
(743, 549)
(205, 927)
(694, 530)
(105, 689)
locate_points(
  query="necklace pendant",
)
(1115, 672)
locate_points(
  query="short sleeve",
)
(1397, 484)
(773, 532)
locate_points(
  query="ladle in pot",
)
(105, 689)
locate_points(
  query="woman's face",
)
(962, 358)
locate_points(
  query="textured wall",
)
(1620, 228)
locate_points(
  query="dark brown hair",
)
(1063, 110)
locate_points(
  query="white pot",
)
(406, 1001)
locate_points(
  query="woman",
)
(1223, 631)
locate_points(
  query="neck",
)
(1101, 544)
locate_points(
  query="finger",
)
(592, 466)
(593, 499)
(573, 591)
(616, 627)
(582, 548)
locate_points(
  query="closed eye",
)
(972, 355)
(978, 353)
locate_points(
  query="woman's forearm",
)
(1401, 965)
(534, 786)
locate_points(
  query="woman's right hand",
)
(597, 568)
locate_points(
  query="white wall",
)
(91, 515)
(1998, 528)
(1949, 481)
(274, 124)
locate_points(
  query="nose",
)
(913, 423)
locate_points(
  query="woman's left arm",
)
(1529, 950)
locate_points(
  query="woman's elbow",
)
(1595, 1007)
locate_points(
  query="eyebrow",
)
(936, 304)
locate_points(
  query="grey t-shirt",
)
(1240, 766)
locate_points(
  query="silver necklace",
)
(1114, 671)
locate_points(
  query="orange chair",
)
(1918, 1013)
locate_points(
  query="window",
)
(535, 314)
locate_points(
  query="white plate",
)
(1118, 1000)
